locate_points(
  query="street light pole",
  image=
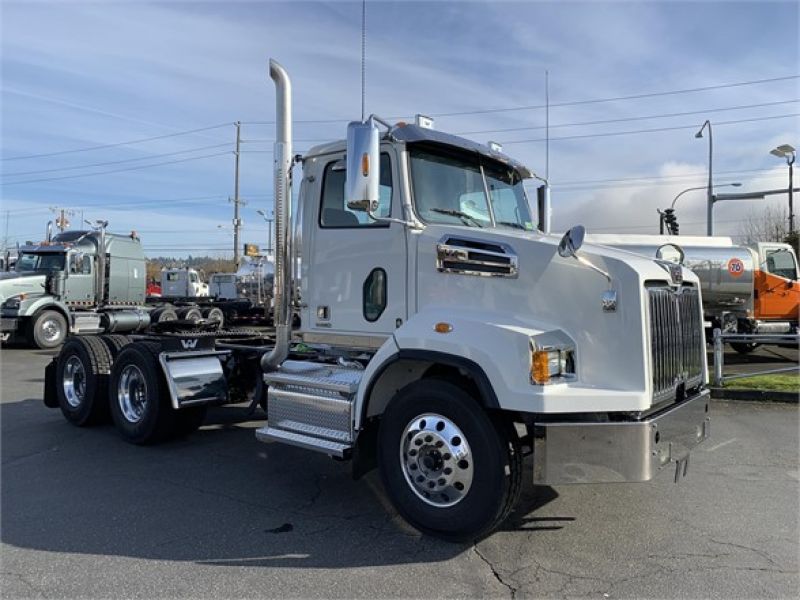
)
(710, 188)
(788, 152)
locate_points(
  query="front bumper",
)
(620, 451)
(8, 324)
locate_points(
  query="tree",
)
(770, 224)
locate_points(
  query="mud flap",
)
(50, 395)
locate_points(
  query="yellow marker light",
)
(365, 164)
(22, 296)
(443, 328)
(540, 366)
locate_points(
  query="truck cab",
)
(58, 285)
(182, 283)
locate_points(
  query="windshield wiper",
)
(512, 224)
(457, 213)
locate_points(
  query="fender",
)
(495, 352)
(32, 306)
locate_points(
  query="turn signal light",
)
(540, 366)
(443, 328)
(365, 164)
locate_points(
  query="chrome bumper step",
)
(331, 448)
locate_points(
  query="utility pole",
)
(61, 217)
(237, 222)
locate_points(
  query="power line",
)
(647, 178)
(116, 144)
(557, 104)
(617, 98)
(116, 162)
(626, 119)
(654, 130)
(169, 162)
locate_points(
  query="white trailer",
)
(439, 344)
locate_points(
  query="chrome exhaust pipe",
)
(48, 232)
(282, 169)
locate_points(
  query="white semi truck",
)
(440, 346)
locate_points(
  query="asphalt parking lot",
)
(222, 515)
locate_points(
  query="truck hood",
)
(13, 283)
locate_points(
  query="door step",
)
(339, 450)
(311, 405)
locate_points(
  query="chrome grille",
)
(676, 340)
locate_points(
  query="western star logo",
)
(189, 344)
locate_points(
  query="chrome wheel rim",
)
(132, 393)
(436, 460)
(51, 331)
(74, 381)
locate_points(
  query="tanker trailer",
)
(745, 288)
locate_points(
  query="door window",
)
(374, 295)
(80, 263)
(334, 213)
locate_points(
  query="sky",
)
(77, 75)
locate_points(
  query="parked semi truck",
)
(745, 288)
(83, 282)
(439, 346)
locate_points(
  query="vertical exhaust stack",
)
(48, 232)
(282, 164)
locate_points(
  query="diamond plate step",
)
(331, 448)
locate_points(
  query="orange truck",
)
(745, 288)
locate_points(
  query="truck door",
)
(79, 284)
(356, 268)
(776, 285)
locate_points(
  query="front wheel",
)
(449, 470)
(744, 347)
(48, 329)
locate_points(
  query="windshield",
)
(781, 263)
(466, 190)
(40, 262)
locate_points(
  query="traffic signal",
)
(671, 221)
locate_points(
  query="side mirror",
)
(572, 241)
(362, 180)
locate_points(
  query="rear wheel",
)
(214, 315)
(743, 347)
(48, 329)
(115, 342)
(449, 470)
(82, 381)
(162, 314)
(139, 400)
(190, 313)
(189, 420)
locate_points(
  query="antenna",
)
(363, 57)
(547, 124)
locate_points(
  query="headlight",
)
(552, 357)
(14, 302)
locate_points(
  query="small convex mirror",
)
(362, 179)
(671, 252)
(572, 241)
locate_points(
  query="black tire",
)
(162, 314)
(189, 420)
(496, 462)
(138, 396)
(82, 381)
(189, 313)
(743, 347)
(214, 315)
(48, 329)
(115, 342)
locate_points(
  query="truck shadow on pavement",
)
(216, 497)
